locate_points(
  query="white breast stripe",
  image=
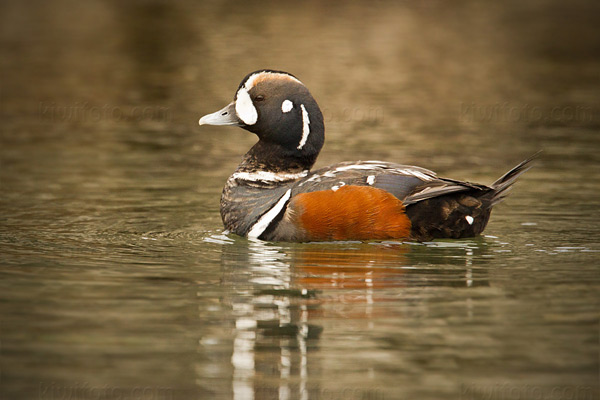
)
(267, 176)
(263, 222)
(305, 127)
(244, 108)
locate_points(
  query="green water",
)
(119, 283)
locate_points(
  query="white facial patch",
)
(305, 127)
(469, 219)
(287, 106)
(244, 108)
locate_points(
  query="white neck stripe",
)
(305, 127)
(267, 176)
(263, 222)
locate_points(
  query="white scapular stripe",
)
(415, 173)
(263, 222)
(287, 106)
(267, 176)
(380, 165)
(244, 108)
(359, 166)
(305, 127)
(314, 178)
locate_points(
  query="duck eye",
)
(260, 97)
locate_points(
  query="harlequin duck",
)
(273, 194)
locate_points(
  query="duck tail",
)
(501, 187)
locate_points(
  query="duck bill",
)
(225, 116)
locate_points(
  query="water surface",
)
(117, 278)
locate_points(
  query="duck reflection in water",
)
(282, 295)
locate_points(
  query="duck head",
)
(280, 110)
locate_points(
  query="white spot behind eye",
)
(305, 127)
(370, 179)
(287, 106)
(469, 219)
(244, 108)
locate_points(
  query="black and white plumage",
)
(274, 195)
